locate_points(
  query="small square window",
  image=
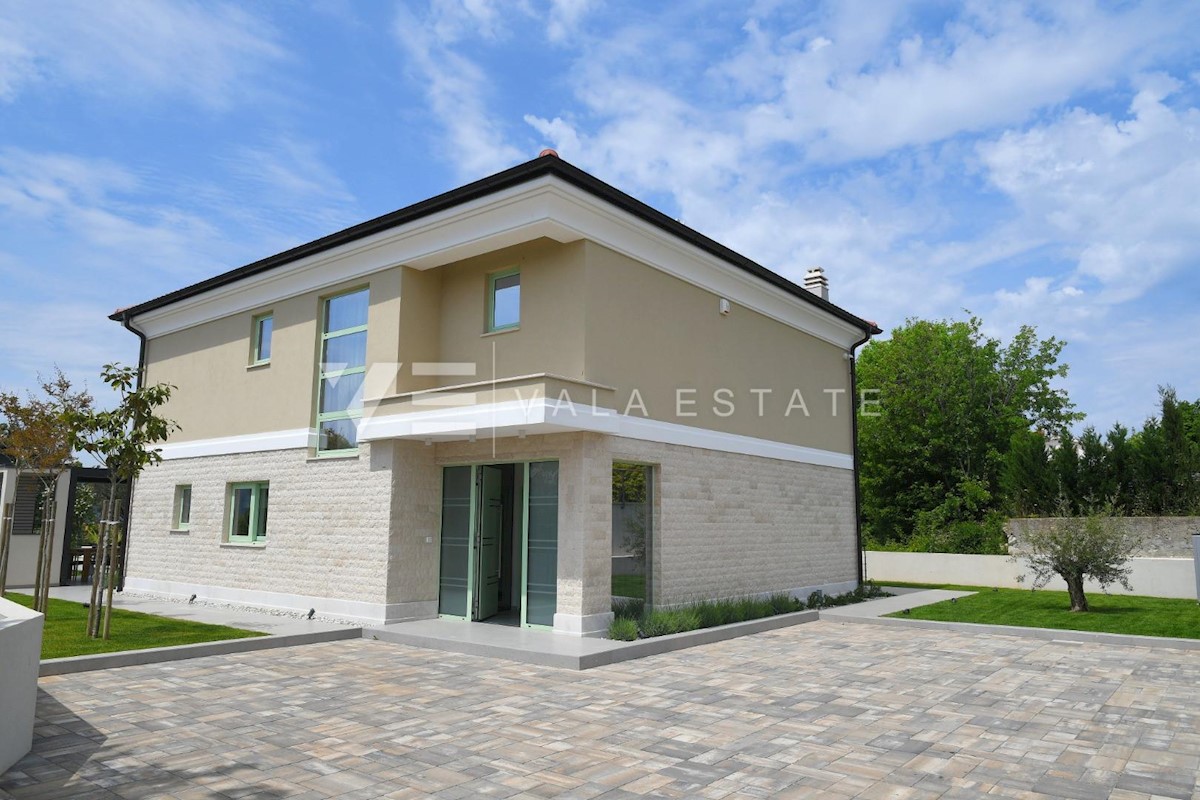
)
(263, 326)
(182, 516)
(504, 300)
(247, 521)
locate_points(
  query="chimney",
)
(816, 282)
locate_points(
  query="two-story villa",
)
(508, 402)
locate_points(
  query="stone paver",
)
(820, 710)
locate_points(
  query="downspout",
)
(127, 322)
(854, 403)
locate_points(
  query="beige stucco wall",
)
(415, 316)
(586, 312)
(217, 394)
(550, 336)
(649, 331)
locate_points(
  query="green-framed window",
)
(342, 368)
(181, 517)
(247, 521)
(264, 325)
(504, 300)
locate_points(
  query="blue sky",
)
(1032, 163)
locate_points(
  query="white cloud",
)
(564, 18)
(990, 66)
(81, 237)
(1119, 195)
(75, 335)
(455, 86)
(134, 47)
(283, 181)
(88, 205)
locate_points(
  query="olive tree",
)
(1096, 546)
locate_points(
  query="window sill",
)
(250, 545)
(258, 365)
(183, 531)
(513, 329)
(335, 455)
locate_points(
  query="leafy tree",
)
(1027, 480)
(1182, 456)
(38, 436)
(1167, 462)
(1098, 546)
(1120, 466)
(951, 401)
(1093, 484)
(122, 439)
(1065, 462)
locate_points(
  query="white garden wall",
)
(20, 657)
(1156, 577)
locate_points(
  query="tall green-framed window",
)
(541, 543)
(504, 300)
(264, 324)
(454, 583)
(342, 369)
(247, 521)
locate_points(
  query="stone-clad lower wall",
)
(366, 529)
(1165, 537)
(328, 522)
(729, 525)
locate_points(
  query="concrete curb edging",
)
(680, 641)
(157, 655)
(1045, 634)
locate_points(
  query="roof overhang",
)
(544, 198)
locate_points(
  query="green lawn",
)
(1115, 613)
(65, 632)
(629, 586)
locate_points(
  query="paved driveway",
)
(820, 710)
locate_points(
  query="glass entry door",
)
(488, 544)
(489, 559)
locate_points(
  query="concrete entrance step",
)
(548, 649)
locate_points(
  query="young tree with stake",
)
(122, 439)
(38, 435)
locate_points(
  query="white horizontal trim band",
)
(544, 415)
(534, 416)
(248, 443)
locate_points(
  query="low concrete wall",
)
(1156, 577)
(20, 654)
(1165, 537)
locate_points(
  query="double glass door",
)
(499, 542)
